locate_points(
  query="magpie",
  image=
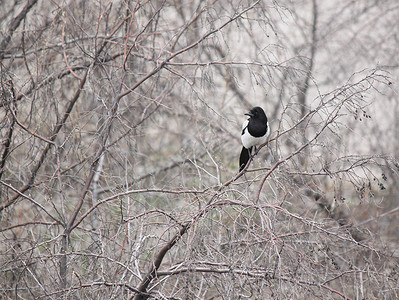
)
(255, 131)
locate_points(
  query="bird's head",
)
(256, 113)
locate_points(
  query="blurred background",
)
(120, 125)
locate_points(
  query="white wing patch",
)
(245, 124)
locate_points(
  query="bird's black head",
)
(257, 113)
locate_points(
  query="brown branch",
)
(291, 155)
(15, 120)
(65, 55)
(188, 24)
(7, 142)
(156, 13)
(71, 224)
(48, 146)
(19, 193)
(228, 76)
(150, 174)
(185, 49)
(88, 285)
(70, 70)
(152, 273)
(257, 273)
(27, 224)
(85, 190)
(14, 25)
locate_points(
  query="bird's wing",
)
(244, 126)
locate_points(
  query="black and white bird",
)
(255, 131)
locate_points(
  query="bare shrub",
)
(120, 130)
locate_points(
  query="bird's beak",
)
(249, 114)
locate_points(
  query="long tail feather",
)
(244, 157)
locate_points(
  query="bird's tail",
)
(244, 157)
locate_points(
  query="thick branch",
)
(304, 86)
(152, 273)
(14, 25)
(7, 142)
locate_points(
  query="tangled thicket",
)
(120, 136)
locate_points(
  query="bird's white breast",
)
(248, 140)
